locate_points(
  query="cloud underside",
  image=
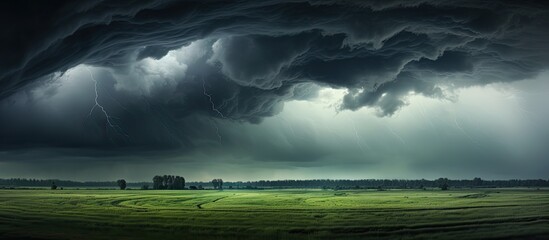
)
(167, 70)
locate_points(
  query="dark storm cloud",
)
(258, 60)
(256, 55)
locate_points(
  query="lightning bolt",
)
(217, 131)
(210, 99)
(103, 110)
(209, 96)
(359, 139)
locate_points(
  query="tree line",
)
(384, 183)
(24, 182)
(177, 182)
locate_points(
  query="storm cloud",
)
(177, 76)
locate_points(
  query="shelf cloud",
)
(173, 75)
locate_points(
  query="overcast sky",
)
(274, 90)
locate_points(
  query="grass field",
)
(274, 214)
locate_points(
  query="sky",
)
(102, 90)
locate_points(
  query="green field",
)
(274, 214)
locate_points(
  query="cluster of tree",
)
(217, 183)
(168, 182)
(383, 183)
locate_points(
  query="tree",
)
(165, 182)
(53, 186)
(121, 184)
(217, 183)
(178, 183)
(157, 182)
(145, 187)
(170, 182)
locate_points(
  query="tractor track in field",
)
(199, 206)
(118, 203)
